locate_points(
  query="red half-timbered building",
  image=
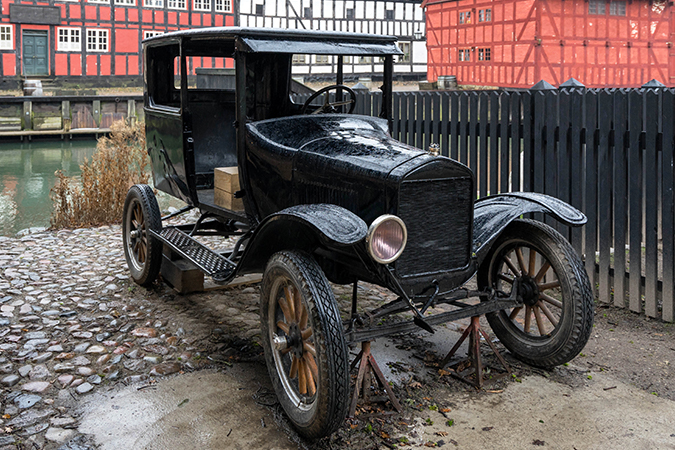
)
(515, 43)
(93, 42)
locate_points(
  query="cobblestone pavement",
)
(72, 322)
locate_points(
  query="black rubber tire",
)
(569, 335)
(142, 252)
(319, 414)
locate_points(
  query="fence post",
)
(534, 160)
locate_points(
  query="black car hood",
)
(353, 140)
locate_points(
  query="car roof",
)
(273, 40)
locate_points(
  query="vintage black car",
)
(327, 195)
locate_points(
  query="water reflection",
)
(27, 175)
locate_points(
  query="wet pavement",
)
(89, 360)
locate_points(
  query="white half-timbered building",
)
(402, 18)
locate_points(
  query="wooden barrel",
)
(447, 82)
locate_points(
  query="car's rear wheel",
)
(304, 345)
(142, 252)
(555, 320)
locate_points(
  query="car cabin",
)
(192, 129)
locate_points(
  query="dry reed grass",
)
(119, 162)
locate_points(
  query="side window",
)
(176, 72)
(163, 75)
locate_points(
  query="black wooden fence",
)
(608, 152)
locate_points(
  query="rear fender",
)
(493, 214)
(302, 227)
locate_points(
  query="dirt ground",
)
(615, 394)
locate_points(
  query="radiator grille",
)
(438, 215)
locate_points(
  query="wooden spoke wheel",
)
(554, 322)
(305, 349)
(142, 252)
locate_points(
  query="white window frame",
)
(402, 58)
(177, 4)
(125, 2)
(299, 59)
(323, 59)
(201, 5)
(151, 33)
(153, 3)
(617, 8)
(98, 33)
(73, 39)
(6, 37)
(107, 2)
(223, 5)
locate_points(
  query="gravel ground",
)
(72, 326)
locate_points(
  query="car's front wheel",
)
(554, 322)
(305, 350)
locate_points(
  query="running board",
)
(211, 263)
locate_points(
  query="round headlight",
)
(386, 238)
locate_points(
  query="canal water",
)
(27, 175)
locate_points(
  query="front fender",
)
(492, 214)
(302, 227)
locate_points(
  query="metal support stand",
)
(364, 381)
(462, 369)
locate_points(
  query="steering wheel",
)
(327, 106)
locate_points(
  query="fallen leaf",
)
(487, 428)
(538, 442)
(6, 416)
(445, 410)
(384, 435)
(430, 444)
(415, 384)
(442, 372)
(441, 433)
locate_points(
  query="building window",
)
(464, 54)
(322, 59)
(485, 15)
(97, 40)
(176, 4)
(346, 60)
(107, 2)
(259, 10)
(223, 5)
(389, 14)
(405, 48)
(596, 7)
(465, 17)
(484, 54)
(153, 3)
(365, 59)
(617, 8)
(299, 59)
(307, 13)
(201, 5)
(69, 40)
(350, 13)
(151, 33)
(6, 41)
(125, 2)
